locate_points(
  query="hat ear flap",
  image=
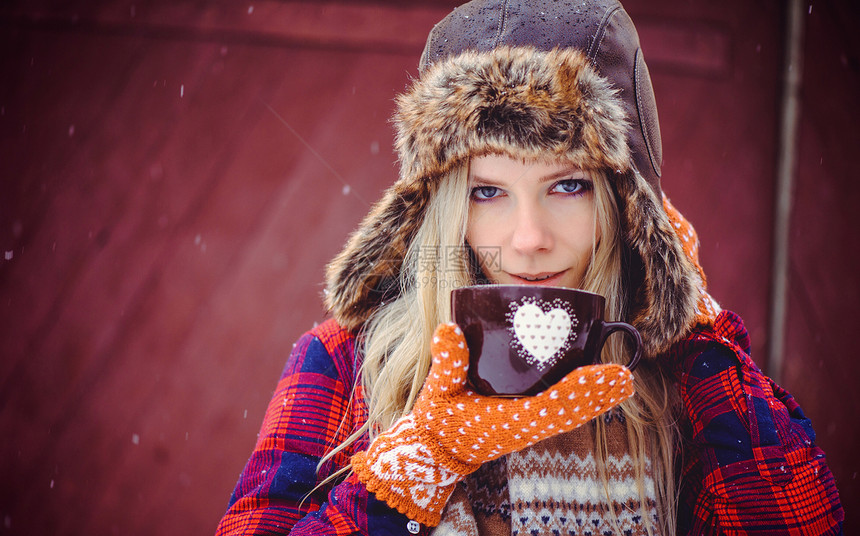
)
(367, 271)
(666, 304)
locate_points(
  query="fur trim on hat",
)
(526, 104)
(521, 102)
(665, 302)
(366, 272)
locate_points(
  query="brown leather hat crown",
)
(601, 29)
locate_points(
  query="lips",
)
(542, 278)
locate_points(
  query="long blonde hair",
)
(650, 416)
(395, 340)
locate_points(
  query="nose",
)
(532, 231)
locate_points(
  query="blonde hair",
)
(395, 340)
(652, 434)
(397, 337)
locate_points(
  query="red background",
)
(174, 177)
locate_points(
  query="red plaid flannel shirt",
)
(750, 463)
(314, 408)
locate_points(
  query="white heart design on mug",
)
(541, 334)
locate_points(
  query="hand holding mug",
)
(452, 430)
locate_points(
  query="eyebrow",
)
(546, 178)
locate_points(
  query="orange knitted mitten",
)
(451, 431)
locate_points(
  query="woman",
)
(530, 154)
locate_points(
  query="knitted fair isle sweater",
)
(554, 488)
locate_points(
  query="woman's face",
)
(531, 223)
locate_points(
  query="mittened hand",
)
(475, 429)
(451, 431)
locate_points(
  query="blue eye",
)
(482, 193)
(572, 186)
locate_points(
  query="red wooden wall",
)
(174, 176)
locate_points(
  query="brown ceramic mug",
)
(523, 339)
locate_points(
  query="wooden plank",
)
(315, 207)
(47, 129)
(719, 140)
(113, 277)
(127, 363)
(824, 291)
(382, 27)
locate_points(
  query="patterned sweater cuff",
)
(404, 472)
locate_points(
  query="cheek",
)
(484, 237)
(481, 230)
(582, 243)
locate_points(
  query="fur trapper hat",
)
(532, 80)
